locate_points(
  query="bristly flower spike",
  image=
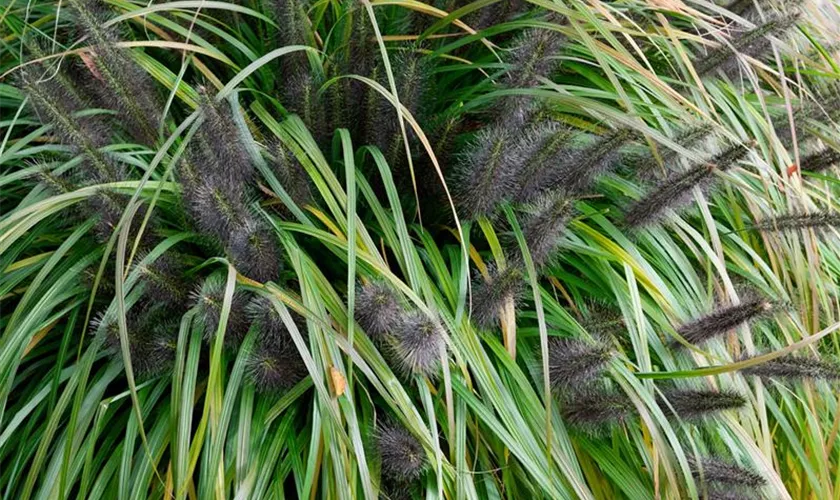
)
(754, 43)
(490, 295)
(573, 363)
(130, 90)
(795, 368)
(544, 226)
(713, 470)
(676, 191)
(695, 404)
(594, 411)
(209, 299)
(820, 160)
(582, 168)
(267, 323)
(292, 176)
(417, 344)
(275, 365)
(486, 174)
(532, 58)
(378, 310)
(403, 459)
(725, 320)
(794, 221)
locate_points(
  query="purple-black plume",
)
(695, 404)
(725, 320)
(490, 295)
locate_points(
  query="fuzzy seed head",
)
(725, 320)
(486, 173)
(402, 456)
(209, 299)
(694, 404)
(755, 43)
(582, 168)
(721, 472)
(275, 365)
(573, 363)
(417, 344)
(594, 411)
(489, 296)
(267, 323)
(796, 368)
(255, 251)
(164, 281)
(152, 337)
(292, 176)
(677, 189)
(378, 310)
(820, 160)
(544, 226)
(797, 221)
(542, 147)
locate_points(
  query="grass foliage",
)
(387, 248)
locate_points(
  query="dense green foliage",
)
(489, 249)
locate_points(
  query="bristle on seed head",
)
(573, 363)
(378, 309)
(403, 459)
(209, 299)
(417, 344)
(695, 404)
(795, 368)
(490, 295)
(725, 320)
(716, 471)
(594, 411)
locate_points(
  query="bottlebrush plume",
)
(292, 176)
(676, 191)
(594, 411)
(794, 221)
(725, 320)
(275, 365)
(109, 207)
(292, 24)
(644, 163)
(382, 127)
(532, 58)
(378, 310)
(152, 338)
(218, 210)
(164, 279)
(209, 299)
(573, 363)
(542, 148)
(300, 97)
(490, 295)
(494, 14)
(219, 146)
(820, 160)
(544, 226)
(694, 404)
(717, 471)
(254, 251)
(402, 457)
(128, 89)
(754, 43)
(55, 105)
(795, 368)
(416, 345)
(267, 323)
(584, 166)
(486, 174)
